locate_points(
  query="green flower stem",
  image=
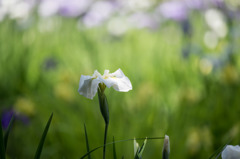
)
(105, 140)
(104, 110)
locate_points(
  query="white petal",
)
(96, 74)
(117, 73)
(82, 79)
(118, 81)
(88, 86)
(231, 152)
(106, 73)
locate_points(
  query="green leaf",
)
(86, 138)
(40, 145)
(2, 148)
(140, 150)
(114, 150)
(8, 131)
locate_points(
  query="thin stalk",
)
(86, 138)
(105, 140)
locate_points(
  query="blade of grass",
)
(40, 146)
(2, 148)
(86, 138)
(142, 148)
(114, 150)
(5, 139)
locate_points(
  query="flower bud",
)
(103, 105)
(166, 148)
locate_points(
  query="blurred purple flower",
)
(73, 8)
(6, 118)
(99, 12)
(48, 8)
(143, 20)
(186, 27)
(228, 11)
(50, 63)
(7, 115)
(23, 118)
(69, 8)
(196, 4)
(174, 10)
(218, 3)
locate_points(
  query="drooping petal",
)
(118, 81)
(82, 79)
(119, 73)
(231, 152)
(88, 86)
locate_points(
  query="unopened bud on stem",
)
(166, 148)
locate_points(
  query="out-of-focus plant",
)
(4, 138)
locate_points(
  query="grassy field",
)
(194, 102)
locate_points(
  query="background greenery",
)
(197, 106)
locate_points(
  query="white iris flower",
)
(88, 85)
(231, 152)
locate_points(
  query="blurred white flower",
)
(48, 8)
(15, 9)
(215, 20)
(88, 85)
(20, 10)
(231, 152)
(134, 5)
(117, 26)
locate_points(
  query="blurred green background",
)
(194, 99)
